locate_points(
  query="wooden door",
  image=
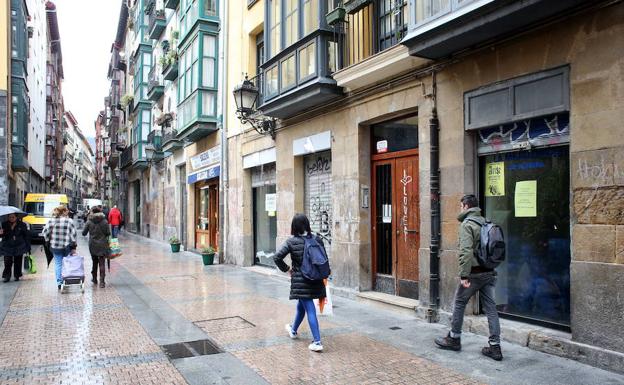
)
(396, 219)
(408, 220)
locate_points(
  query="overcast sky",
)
(87, 29)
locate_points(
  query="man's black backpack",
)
(491, 250)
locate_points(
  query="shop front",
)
(261, 165)
(524, 184)
(205, 182)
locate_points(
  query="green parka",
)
(469, 239)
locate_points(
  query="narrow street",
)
(155, 298)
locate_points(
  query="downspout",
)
(434, 178)
(223, 180)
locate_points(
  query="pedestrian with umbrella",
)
(61, 233)
(15, 241)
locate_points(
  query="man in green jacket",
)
(473, 278)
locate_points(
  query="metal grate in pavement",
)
(190, 349)
(223, 324)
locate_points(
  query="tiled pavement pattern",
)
(75, 338)
(100, 337)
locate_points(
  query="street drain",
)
(190, 349)
(395, 328)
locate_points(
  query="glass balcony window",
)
(310, 16)
(427, 10)
(291, 24)
(275, 19)
(271, 81)
(307, 61)
(288, 72)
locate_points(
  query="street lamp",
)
(246, 96)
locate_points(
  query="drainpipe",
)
(434, 177)
(223, 180)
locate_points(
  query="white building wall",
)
(37, 57)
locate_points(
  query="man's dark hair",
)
(96, 209)
(300, 225)
(470, 201)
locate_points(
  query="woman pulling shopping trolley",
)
(60, 233)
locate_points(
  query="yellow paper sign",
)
(495, 179)
(525, 199)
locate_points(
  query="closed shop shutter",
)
(318, 194)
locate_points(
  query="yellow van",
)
(39, 209)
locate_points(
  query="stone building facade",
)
(528, 121)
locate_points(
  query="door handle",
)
(411, 231)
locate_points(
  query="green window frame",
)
(193, 10)
(307, 62)
(141, 24)
(288, 72)
(271, 81)
(197, 82)
(141, 75)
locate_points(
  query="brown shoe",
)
(493, 351)
(102, 285)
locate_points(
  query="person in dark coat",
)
(99, 232)
(15, 243)
(301, 288)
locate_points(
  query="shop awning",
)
(205, 174)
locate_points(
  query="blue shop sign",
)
(209, 173)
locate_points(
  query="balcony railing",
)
(126, 157)
(356, 41)
(171, 4)
(155, 89)
(155, 139)
(157, 23)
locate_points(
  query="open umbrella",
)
(6, 210)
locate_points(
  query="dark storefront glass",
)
(265, 227)
(534, 281)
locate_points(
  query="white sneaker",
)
(316, 347)
(291, 334)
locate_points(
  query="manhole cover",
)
(223, 324)
(190, 349)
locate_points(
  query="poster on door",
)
(495, 179)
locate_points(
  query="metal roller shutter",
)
(318, 194)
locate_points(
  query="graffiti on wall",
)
(548, 130)
(407, 179)
(319, 195)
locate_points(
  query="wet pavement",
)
(165, 318)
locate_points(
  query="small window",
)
(307, 61)
(274, 27)
(288, 72)
(210, 7)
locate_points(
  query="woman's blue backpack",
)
(315, 265)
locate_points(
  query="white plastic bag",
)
(73, 266)
(328, 305)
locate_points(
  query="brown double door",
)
(396, 220)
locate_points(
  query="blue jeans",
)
(59, 254)
(307, 306)
(115, 231)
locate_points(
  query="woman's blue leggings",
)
(307, 306)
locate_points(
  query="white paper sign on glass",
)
(270, 202)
